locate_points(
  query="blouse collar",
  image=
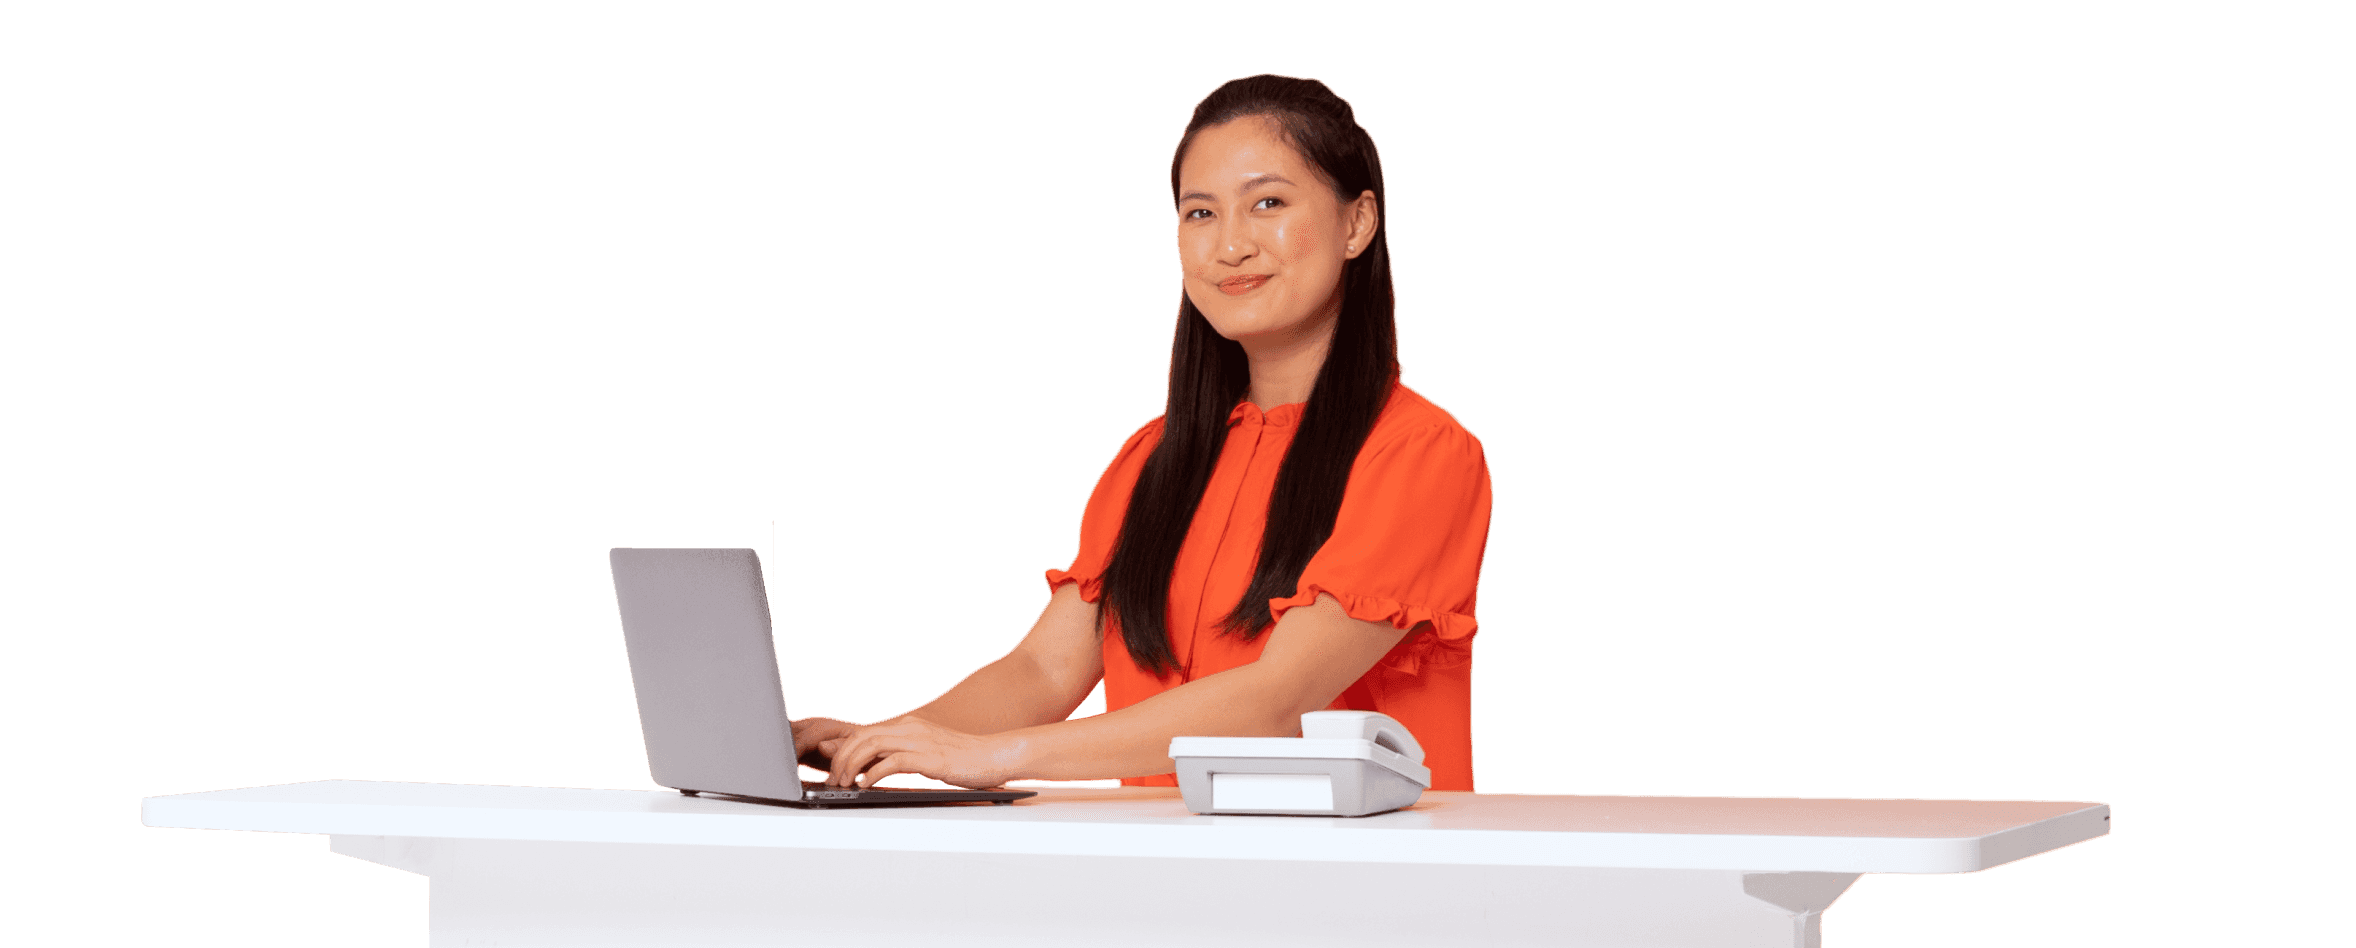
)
(1279, 416)
(1284, 415)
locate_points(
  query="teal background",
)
(1881, 402)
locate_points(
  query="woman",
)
(1298, 531)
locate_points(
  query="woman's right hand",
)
(809, 733)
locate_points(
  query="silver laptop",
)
(697, 626)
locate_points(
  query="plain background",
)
(1881, 400)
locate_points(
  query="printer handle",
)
(1374, 726)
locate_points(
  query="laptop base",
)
(818, 796)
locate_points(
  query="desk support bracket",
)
(406, 853)
(1805, 894)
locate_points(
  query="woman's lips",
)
(1238, 286)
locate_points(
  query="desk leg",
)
(504, 892)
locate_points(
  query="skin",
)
(1249, 207)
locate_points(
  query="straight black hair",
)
(1209, 375)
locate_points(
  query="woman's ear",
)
(1362, 217)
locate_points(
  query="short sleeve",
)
(1406, 547)
(1100, 525)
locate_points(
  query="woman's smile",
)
(1240, 285)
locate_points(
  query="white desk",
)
(542, 866)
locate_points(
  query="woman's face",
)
(1262, 236)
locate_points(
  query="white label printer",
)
(1345, 763)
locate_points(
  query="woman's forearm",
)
(1042, 680)
(992, 727)
(1012, 692)
(1314, 652)
(1135, 741)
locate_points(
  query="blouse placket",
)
(1247, 468)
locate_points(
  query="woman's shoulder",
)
(1134, 450)
(1408, 414)
(1144, 437)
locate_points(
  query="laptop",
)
(697, 626)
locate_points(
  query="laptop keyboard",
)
(821, 786)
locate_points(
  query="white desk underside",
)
(525, 866)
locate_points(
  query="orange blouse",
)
(1406, 549)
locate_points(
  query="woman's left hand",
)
(918, 746)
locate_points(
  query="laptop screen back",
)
(705, 669)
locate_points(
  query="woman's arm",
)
(1046, 676)
(1314, 653)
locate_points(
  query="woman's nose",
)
(1235, 243)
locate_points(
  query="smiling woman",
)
(1297, 531)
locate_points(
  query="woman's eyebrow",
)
(1256, 181)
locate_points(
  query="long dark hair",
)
(1209, 375)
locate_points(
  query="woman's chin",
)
(1244, 327)
(1275, 336)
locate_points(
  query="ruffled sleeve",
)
(1100, 526)
(1406, 547)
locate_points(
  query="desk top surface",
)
(1460, 828)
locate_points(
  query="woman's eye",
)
(1197, 214)
(1268, 202)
